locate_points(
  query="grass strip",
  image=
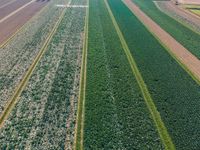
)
(79, 129)
(165, 137)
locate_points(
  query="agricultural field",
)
(181, 33)
(115, 110)
(17, 56)
(175, 93)
(52, 88)
(193, 8)
(99, 74)
(178, 12)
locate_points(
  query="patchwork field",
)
(99, 74)
(178, 12)
(194, 9)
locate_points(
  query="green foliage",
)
(116, 116)
(39, 119)
(174, 92)
(182, 34)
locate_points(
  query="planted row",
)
(174, 92)
(116, 116)
(181, 33)
(18, 55)
(45, 115)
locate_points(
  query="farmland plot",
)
(18, 55)
(44, 117)
(179, 14)
(116, 116)
(174, 92)
(185, 36)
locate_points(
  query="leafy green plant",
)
(116, 116)
(174, 92)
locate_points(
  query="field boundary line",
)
(6, 42)
(15, 97)
(162, 130)
(79, 127)
(185, 68)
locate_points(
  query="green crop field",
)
(89, 75)
(116, 116)
(174, 92)
(46, 112)
(182, 34)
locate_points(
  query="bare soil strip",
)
(14, 12)
(11, 7)
(3, 2)
(9, 27)
(162, 130)
(179, 11)
(7, 4)
(22, 84)
(189, 62)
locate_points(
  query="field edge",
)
(79, 127)
(162, 130)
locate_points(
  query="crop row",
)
(174, 92)
(182, 34)
(18, 55)
(165, 7)
(44, 117)
(116, 116)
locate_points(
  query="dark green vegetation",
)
(182, 34)
(116, 116)
(174, 92)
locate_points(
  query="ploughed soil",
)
(9, 26)
(187, 58)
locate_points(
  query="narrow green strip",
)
(79, 130)
(162, 130)
(194, 77)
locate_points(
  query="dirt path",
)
(181, 53)
(179, 11)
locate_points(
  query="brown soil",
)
(181, 12)
(12, 24)
(176, 48)
(12, 7)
